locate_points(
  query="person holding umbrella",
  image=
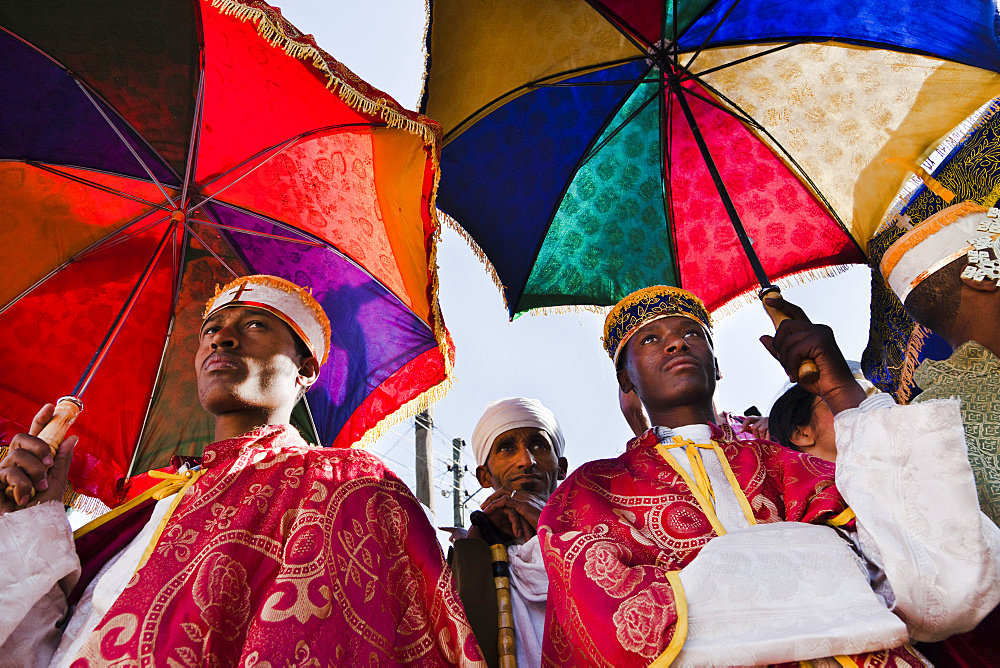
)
(696, 547)
(270, 549)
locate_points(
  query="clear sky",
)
(556, 358)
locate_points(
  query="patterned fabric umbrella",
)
(594, 148)
(154, 151)
(964, 166)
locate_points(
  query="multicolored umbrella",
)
(593, 148)
(964, 166)
(151, 152)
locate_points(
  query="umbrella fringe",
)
(275, 33)
(419, 403)
(911, 360)
(569, 309)
(790, 281)
(478, 252)
(84, 503)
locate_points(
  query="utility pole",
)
(424, 424)
(456, 471)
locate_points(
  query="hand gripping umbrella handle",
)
(808, 371)
(67, 410)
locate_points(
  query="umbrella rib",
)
(119, 321)
(209, 249)
(278, 150)
(740, 61)
(323, 244)
(255, 233)
(189, 168)
(95, 185)
(93, 248)
(711, 34)
(621, 26)
(530, 85)
(124, 141)
(741, 233)
(791, 160)
(589, 155)
(582, 84)
(665, 103)
(738, 114)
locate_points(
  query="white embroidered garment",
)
(529, 592)
(905, 472)
(33, 590)
(781, 592)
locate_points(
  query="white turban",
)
(511, 413)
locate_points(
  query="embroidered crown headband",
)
(293, 304)
(967, 229)
(646, 305)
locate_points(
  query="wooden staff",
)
(808, 371)
(506, 639)
(66, 412)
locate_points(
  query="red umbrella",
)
(151, 152)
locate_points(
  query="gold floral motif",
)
(604, 563)
(640, 620)
(221, 593)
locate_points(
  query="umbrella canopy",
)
(593, 148)
(965, 166)
(152, 152)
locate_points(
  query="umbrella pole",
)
(808, 371)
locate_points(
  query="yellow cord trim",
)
(699, 495)
(681, 627)
(176, 484)
(741, 496)
(846, 661)
(843, 518)
(108, 516)
(805, 664)
(701, 475)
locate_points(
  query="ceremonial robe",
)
(279, 553)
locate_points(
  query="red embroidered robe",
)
(616, 532)
(284, 553)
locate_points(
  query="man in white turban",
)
(518, 446)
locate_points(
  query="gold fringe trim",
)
(904, 390)
(419, 403)
(478, 252)
(274, 28)
(791, 281)
(992, 197)
(570, 309)
(85, 504)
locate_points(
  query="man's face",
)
(523, 460)
(246, 359)
(669, 362)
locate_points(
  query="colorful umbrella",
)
(593, 148)
(154, 151)
(964, 166)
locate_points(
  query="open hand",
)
(29, 474)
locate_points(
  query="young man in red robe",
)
(696, 548)
(271, 552)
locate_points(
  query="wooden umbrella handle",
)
(808, 371)
(66, 412)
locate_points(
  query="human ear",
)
(308, 371)
(484, 477)
(803, 437)
(563, 466)
(718, 371)
(623, 380)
